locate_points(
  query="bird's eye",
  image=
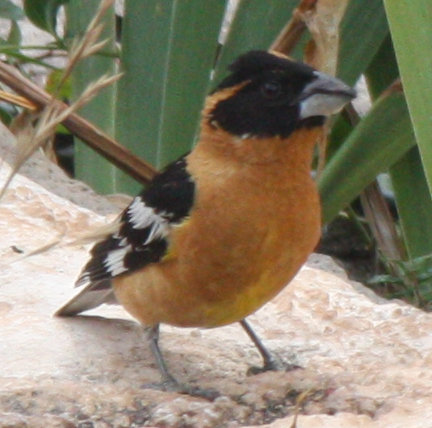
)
(271, 89)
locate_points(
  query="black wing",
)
(142, 237)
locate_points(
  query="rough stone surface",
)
(366, 361)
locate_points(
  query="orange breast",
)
(252, 228)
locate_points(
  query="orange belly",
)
(251, 229)
(244, 262)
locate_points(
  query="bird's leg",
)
(169, 382)
(271, 362)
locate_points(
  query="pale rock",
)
(366, 360)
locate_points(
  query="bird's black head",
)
(272, 96)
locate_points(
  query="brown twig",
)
(382, 224)
(395, 86)
(291, 34)
(95, 138)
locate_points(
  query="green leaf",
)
(378, 141)
(414, 206)
(7, 113)
(52, 85)
(167, 70)
(363, 29)
(43, 13)
(10, 11)
(14, 36)
(25, 59)
(407, 173)
(382, 279)
(357, 50)
(410, 25)
(383, 69)
(89, 165)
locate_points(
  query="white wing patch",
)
(142, 230)
(142, 216)
(114, 261)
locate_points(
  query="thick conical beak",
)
(324, 96)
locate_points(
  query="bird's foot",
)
(272, 364)
(172, 385)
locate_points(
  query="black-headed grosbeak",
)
(223, 229)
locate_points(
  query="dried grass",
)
(39, 127)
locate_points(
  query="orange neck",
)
(295, 151)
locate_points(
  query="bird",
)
(223, 229)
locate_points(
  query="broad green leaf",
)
(90, 166)
(357, 49)
(411, 29)
(407, 173)
(43, 13)
(8, 10)
(378, 141)
(383, 69)
(168, 49)
(414, 203)
(188, 75)
(363, 29)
